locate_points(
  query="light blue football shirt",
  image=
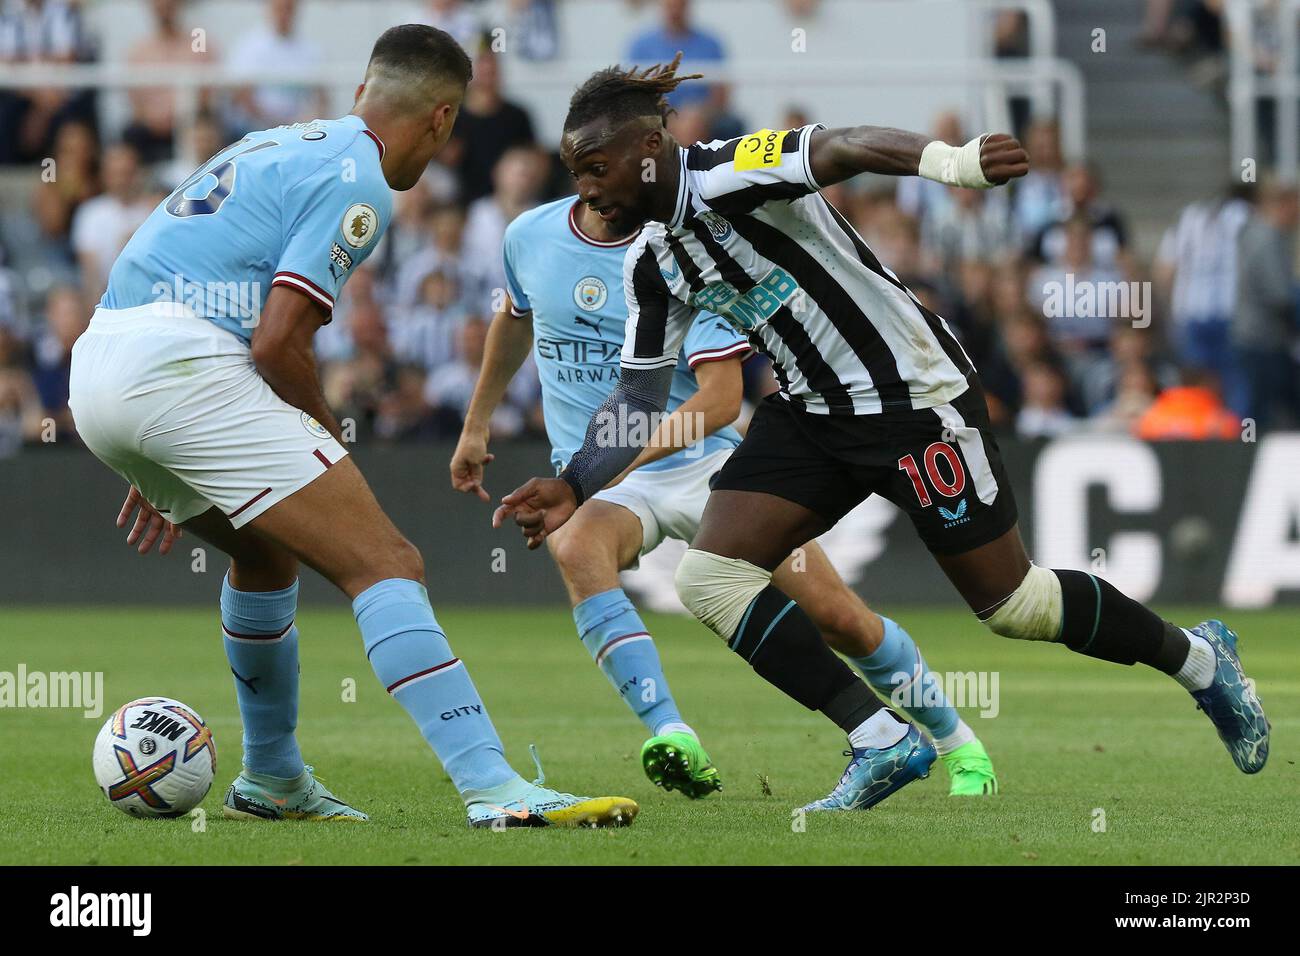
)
(573, 285)
(300, 206)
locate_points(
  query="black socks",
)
(785, 648)
(1099, 621)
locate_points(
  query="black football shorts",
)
(940, 465)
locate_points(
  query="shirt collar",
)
(356, 122)
(680, 209)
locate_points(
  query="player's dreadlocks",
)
(621, 95)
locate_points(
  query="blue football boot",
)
(873, 775)
(1231, 703)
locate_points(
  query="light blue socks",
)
(617, 640)
(261, 645)
(411, 657)
(898, 671)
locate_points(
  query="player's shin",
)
(618, 642)
(1099, 621)
(897, 670)
(737, 601)
(1091, 617)
(261, 645)
(785, 648)
(411, 657)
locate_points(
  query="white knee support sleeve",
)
(717, 590)
(1033, 612)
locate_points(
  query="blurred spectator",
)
(698, 48)
(66, 317)
(20, 406)
(449, 388)
(917, 197)
(13, 312)
(1043, 413)
(1197, 262)
(972, 225)
(1135, 394)
(1040, 196)
(402, 414)
(974, 320)
(487, 126)
(1011, 42)
(517, 184)
(1264, 326)
(102, 225)
(1082, 187)
(1191, 411)
(333, 341)
(896, 239)
(206, 137)
(426, 334)
(1073, 294)
(277, 45)
(794, 117)
(1011, 34)
(1100, 384)
(39, 31)
(692, 123)
(153, 120)
(355, 387)
(74, 179)
(445, 234)
(1023, 342)
(407, 236)
(455, 18)
(533, 23)
(1184, 25)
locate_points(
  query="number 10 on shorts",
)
(949, 489)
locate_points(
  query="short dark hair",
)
(419, 49)
(621, 95)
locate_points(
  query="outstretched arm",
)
(716, 405)
(615, 435)
(990, 160)
(508, 341)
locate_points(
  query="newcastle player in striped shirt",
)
(876, 397)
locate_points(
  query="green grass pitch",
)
(1073, 737)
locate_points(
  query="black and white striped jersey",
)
(752, 240)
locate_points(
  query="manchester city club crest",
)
(590, 293)
(719, 227)
(314, 427)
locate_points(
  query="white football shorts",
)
(669, 504)
(175, 406)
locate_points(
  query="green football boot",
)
(254, 796)
(677, 761)
(971, 771)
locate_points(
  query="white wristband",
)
(954, 165)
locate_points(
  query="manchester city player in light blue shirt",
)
(564, 275)
(196, 382)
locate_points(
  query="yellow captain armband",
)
(760, 150)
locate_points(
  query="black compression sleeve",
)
(629, 413)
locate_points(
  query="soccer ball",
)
(155, 757)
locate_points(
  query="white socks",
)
(1198, 670)
(676, 728)
(962, 734)
(882, 729)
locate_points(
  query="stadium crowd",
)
(1070, 327)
